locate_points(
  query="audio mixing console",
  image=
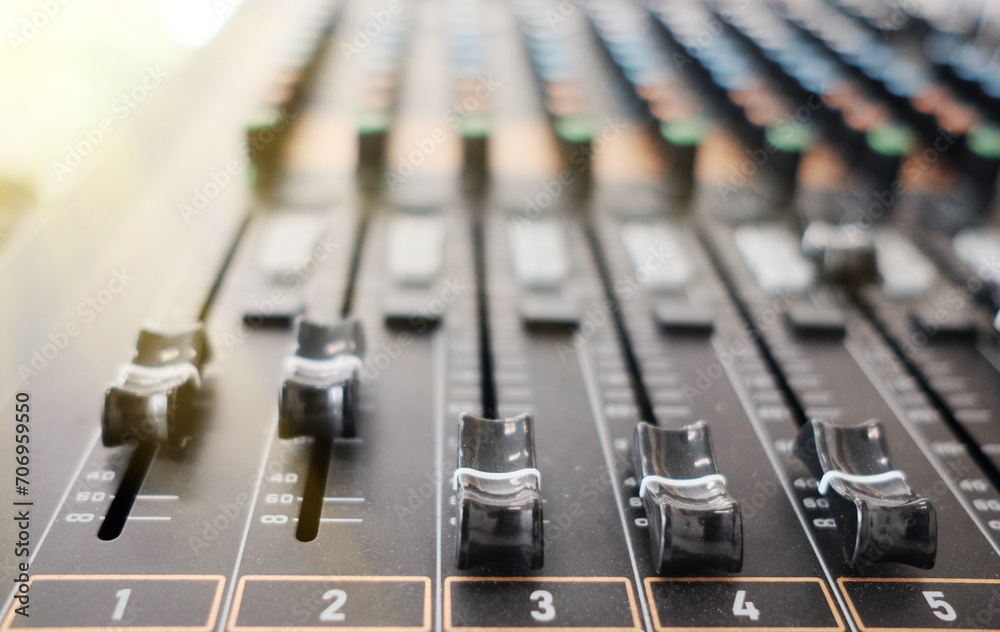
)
(467, 315)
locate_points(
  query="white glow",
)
(193, 23)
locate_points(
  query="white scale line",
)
(269, 443)
(156, 497)
(440, 346)
(341, 499)
(341, 520)
(150, 518)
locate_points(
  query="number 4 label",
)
(744, 608)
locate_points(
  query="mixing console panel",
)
(606, 314)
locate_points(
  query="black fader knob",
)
(846, 253)
(693, 521)
(878, 516)
(498, 493)
(150, 396)
(320, 390)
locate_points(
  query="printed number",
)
(80, 517)
(986, 504)
(545, 610)
(102, 475)
(122, 597)
(82, 497)
(816, 503)
(290, 477)
(935, 599)
(994, 524)
(274, 519)
(824, 523)
(284, 499)
(744, 608)
(331, 614)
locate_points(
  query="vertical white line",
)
(587, 369)
(440, 371)
(272, 432)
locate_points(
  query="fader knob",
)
(693, 521)
(320, 390)
(878, 516)
(845, 253)
(497, 493)
(149, 396)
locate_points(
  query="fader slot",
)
(120, 507)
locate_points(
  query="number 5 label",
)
(941, 608)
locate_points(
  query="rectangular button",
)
(106, 602)
(905, 271)
(539, 253)
(593, 603)
(775, 258)
(548, 311)
(944, 323)
(659, 255)
(286, 243)
(923, 604)
(292, 603)
(683, 317)
(415, 249)
(809, 320)
(742, 603)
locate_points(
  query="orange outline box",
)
(448, 627)
(910, 580)
(214, 612)
(238, 600)
(658, 625)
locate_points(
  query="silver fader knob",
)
(320, 390)
(149, 398)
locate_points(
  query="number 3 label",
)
(941, 608)
(545, 610)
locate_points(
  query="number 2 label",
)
(332, 611)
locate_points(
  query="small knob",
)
(498, 493)
(845, 253)
(149, 397)
(693, 521)
(320, 390)
(878, 516)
